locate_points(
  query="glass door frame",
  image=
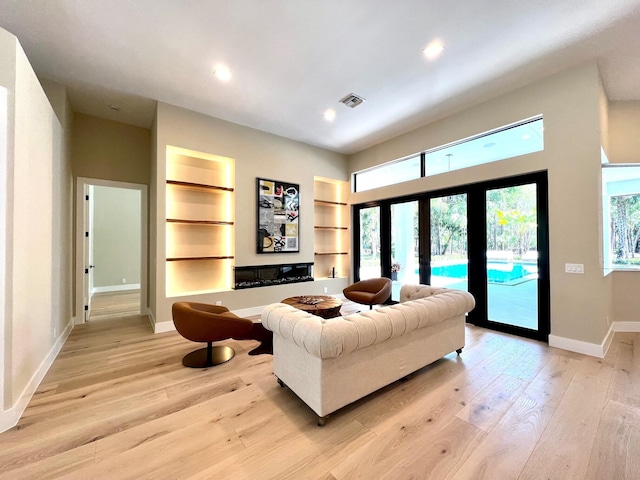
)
(385, 233)
(477, 227)
(385, 246)
(477, 245)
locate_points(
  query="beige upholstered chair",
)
(369, 292)
(201, 322)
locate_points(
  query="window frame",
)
(607, 195)
(424, 171)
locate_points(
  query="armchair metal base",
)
(208, 357)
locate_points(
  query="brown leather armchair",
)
(201, 322)
(369, 292)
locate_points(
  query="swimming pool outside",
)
(512, 298)
(497, 272)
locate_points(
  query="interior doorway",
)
(111, 252)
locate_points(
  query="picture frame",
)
(278, 216)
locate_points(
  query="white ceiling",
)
(293, 59)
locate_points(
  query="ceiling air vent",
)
(352, 100)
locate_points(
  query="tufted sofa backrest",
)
(327, 338)
(414, 292)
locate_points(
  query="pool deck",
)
(511, 304)
(514, 304)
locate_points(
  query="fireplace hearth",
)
(267, 275)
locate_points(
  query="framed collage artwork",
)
(278, 207)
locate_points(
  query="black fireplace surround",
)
(266, 275)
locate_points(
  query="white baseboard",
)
(243, 312)
(116, 288)
(578, 346)
(152, 320)
(593, 349)
(249, 312)
(606, 343)
(10, 417)
(163, 327)
(626, 326)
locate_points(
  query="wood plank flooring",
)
(107, 305)
(118, 404)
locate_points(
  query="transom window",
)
(389, 173)
(521, 138)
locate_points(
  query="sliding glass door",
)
(405, 245)
(370, 264)
(487, 238)
(449, 260)
(512, 256)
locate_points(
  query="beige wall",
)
(36, 309)
(62, 207)
(624, 132)
(256, 154)
(153, 253)
(8, 48)
(604, 122)
(625, 304)
(37, 137)
(57, 95)
(109, 150)
(572, 107)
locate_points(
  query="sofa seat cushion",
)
(329, 338)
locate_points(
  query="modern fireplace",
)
(266, 275)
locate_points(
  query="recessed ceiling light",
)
(329, 115)
(433, 50)
(526, 137)
(222, 72)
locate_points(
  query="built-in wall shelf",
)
(198, 222)
(328, 202)
(331, 228)
(198, 186)
(182, 259)
(199, 196)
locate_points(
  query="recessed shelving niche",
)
(331, 228)
(199, 222)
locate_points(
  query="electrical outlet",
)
(55, 332)
(326, 289)
(124, 280)
(218, 302)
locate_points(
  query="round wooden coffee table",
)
(321, 305)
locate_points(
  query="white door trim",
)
(81, 183)
(5, 242)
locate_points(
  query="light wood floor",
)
(118, 404)
(108, 305)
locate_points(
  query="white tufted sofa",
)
(330, 363)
